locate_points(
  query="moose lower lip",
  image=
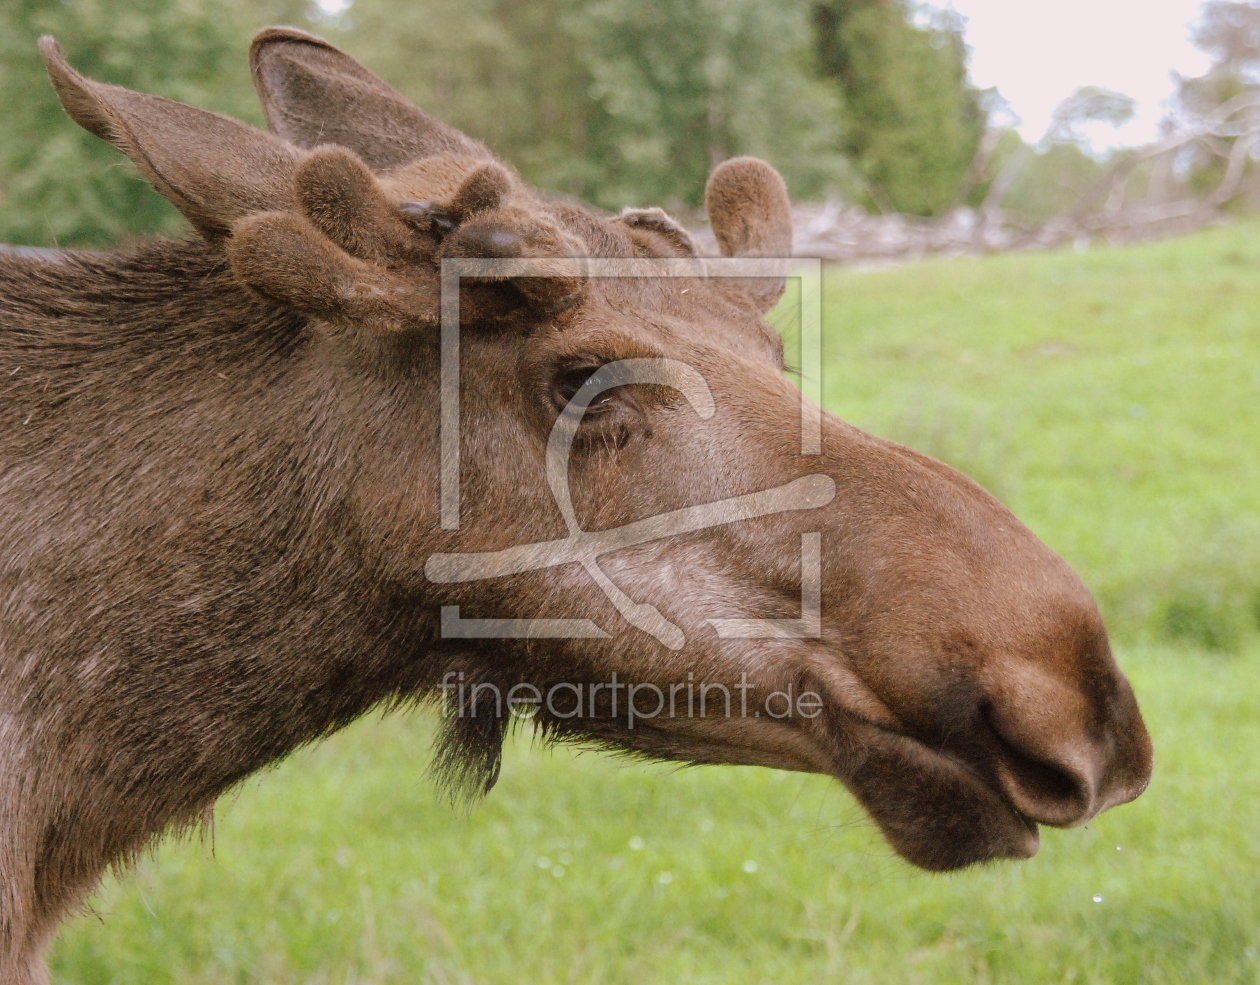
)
(936, 811)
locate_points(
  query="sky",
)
(1039, 53)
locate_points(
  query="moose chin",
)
(227, 527)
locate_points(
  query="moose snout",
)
(1063, 756)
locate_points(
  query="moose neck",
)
(185, 447)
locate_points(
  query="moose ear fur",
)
(748, 208)
(212, 168)
(751, 216)
(313, 93)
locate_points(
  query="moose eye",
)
(569, 381)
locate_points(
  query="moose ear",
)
(212, 168)
(313, 93)
(750, 215)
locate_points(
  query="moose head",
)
(240, 454)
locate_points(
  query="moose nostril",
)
(1045, 792)
(1045, 789)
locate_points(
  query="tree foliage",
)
(1229, 33)
(60, 184)
(1062, 172)
(914, 121)
(1052, 180)
(619, 102)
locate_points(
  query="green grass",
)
(1111, 398)
(343, 866)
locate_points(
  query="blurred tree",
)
(1063, 172)
(1087, 105)
(1228, 32)
(914, 123)
(621, 102)
(683, 84)
(1052, 180)
(457, 60)
(58, 183)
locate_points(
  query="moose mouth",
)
(936, 811)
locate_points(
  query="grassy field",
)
(1113, 399)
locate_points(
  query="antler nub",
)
(350, 253)
(341, 196)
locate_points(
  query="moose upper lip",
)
(988, 785)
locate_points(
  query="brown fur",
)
(219, 470)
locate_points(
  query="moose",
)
(221, 469)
